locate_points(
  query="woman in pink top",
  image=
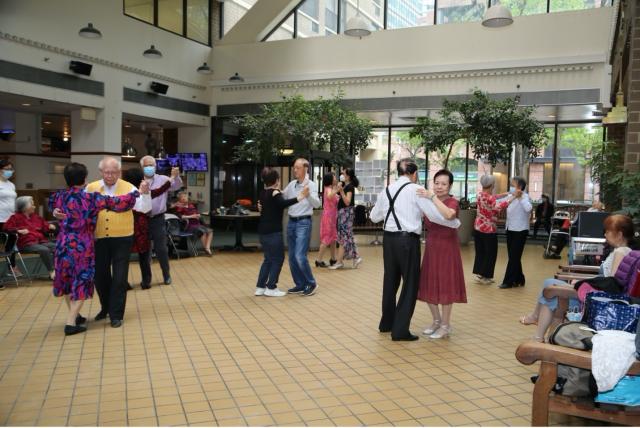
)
(329, 221)
(485, 233)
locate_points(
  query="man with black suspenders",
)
(402, 209)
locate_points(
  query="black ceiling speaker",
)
(159, 88)
(80, 67)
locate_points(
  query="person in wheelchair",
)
(32, 231)
(619, 233)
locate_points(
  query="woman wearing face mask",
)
(518, 214)
(7, 207)
(346, 214)
(441, 276)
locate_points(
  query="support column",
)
(94, 137)
(632, 146)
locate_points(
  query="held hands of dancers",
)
(425, 193)
(144, 187)
(304, 193)
(175, 171)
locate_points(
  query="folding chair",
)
(175, 231)
(6, 254)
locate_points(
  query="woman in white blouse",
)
(518, 215)
(7, 203)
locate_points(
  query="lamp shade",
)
(497, 16)
(204, 69)
(90, 32)
(152, 52)
(357, 26)
(236, 78)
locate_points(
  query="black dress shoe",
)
(409, 338)
(167, 281)
(129, 287)
(385, 330)
(332, 262)
(116, 323)
(70, 330)
(101, 315)
(503, 286)
(80, 320)
(145, 286)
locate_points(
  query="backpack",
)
(574, 381)
(627, 273)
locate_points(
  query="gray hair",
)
(183, 192)
(23, 202)
(146, 158)
(108, 159)
(487, 181)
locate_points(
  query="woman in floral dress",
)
(74, 256)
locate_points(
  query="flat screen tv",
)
(194, 162)
(174, 160)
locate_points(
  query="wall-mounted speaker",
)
(80, 67)
(159, 88)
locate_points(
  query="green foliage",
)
(491, 127)
(303, 126)
(583, 142)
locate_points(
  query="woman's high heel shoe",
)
(441, 333)
(432, 329)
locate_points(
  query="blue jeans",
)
(552, 303)
(298, 236)
(273, 248)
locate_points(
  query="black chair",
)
(176, 232)
(6, 253)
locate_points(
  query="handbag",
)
(604, 311)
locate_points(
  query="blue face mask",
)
(149, 171)
(512, 189)
(7, 173)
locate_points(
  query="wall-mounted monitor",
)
(194, 162)
(174, 160)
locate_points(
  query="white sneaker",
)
(356, 262)
(259, 291)
(274, 293)
(336, 266)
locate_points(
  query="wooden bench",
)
(544, 401)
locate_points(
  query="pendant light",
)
(204, 69)
(161, 154)
(90, 32)
(128, 151)
(497, 16)
(236, 78)
(152, 52)
(357, 26)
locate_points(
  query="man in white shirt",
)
(402, 209)
(518, 216)
(299, 228)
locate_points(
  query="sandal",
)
(528, 320)
(537, 339)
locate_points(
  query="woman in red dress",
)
(441, 277)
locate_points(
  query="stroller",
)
(559, 235)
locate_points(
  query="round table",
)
(238, 221)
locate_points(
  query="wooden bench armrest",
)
(530, 352)
(570, 276)
(579, 268)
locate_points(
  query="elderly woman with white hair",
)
(32, 232)
(485, 230)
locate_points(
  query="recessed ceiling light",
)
(26, 105)
(46, 122)
(65, 139)
(552, 116)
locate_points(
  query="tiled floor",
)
(204, 351)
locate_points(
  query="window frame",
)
(184, 20)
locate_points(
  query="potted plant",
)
(491, 128)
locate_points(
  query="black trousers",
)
(401, 255)
(546, 223)
(11, 242)
(486, 253)
(157, 234)
(515, 248)
(112, 269)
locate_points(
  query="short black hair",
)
(327, 179)
(75, 174)
(269, 176)
(133, 176)
(444, 172)
(5, 163)
(406, 166)
(522, 183)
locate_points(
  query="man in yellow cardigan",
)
(114, 237)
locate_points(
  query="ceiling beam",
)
(258, 21)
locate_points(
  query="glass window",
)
(170, 15)
(198, 20)
(409, 13)
(540, 178)
(520, 8)
(317, 18)
(234, 10)
(575, 145)
(368, 10)
(284, 31)
(460, 10)
(141, 9)
(371, 167)
(562, 5)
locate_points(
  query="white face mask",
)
(342, 177)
